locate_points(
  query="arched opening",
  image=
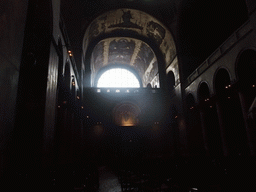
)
(231, 115)
(171, 80)
(126, 114)
(129, 37)
(209, 117)
(125, 52)
(118, 77)
(246, 70)
(194, 130)
(198, 25)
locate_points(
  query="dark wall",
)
(31, 96)
(12, 23)
(203, 25)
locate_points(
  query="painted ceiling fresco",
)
(127, 50)
(134, 21)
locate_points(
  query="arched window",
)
(171, 80)
(118, 77)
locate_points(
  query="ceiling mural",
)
(97, 55)
(121, 50)
(125, 51)
(136, 21)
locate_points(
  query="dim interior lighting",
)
(226, 87)
(118, 91)
(253, 85)
(210, 106)
(64, 102)
(87, 117)
(77, 97)
(229, 85)
(69, 51)
(191, 107)
(82, 107)
(176, 117)
(98, 90)
(127, 91)
(59, 106)
(228, 97)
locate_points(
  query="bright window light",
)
(118, 77)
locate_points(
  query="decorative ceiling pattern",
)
(135, 21)
(125, 51)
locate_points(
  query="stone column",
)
(247, 127)
(222, 128)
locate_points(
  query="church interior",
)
(128, 95)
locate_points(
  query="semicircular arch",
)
(113, 66)
(128, 23)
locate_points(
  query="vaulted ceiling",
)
(198, 26)
(131, 50)
(125, 51)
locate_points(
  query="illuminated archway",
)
(126, 114)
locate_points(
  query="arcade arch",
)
(171, 80)
(230, 115)
(209, 120)
(246, 70)
(194, 130)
